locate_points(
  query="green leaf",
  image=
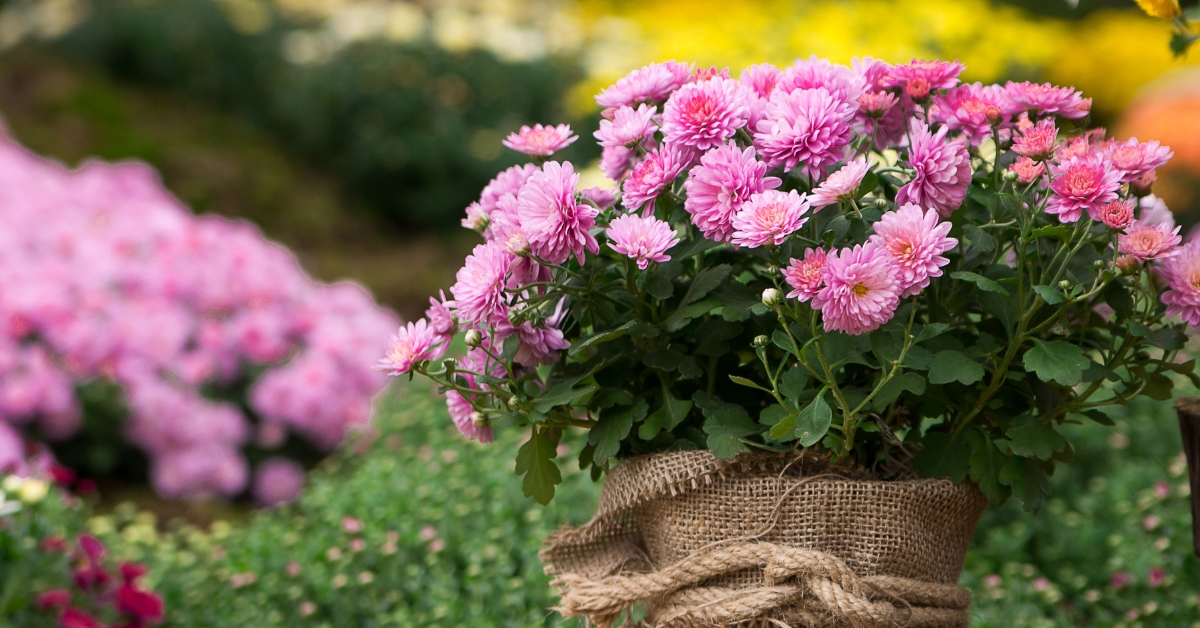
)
(1167, 338)
(942, 457)
(727, 424)
(1118, 298)
(659, 287)
(608, 397)
(989, 285)
(840, 226)
(1049, 295)
(979, 239)
(930, 331)
(908, 381)
(713, 336)
(814, 421)
(612, 428)
(986, 461)
(706, 281)
(671, 413)
(602, 337)
(1028, 482)
(781, 420)
(793, 382)
(684, 315)
(1056, 361)
(737, 300)
(954, 366)
(662, 359)
(1099, 417)
(510, 347)
(749, 383)
(1033, 437)
(535, 461)
(565, 393)
(1062, 232)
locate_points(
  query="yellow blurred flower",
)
(33, 490)
(1162, 9)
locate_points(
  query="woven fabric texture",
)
(767, 538)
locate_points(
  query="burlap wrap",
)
(767, 540)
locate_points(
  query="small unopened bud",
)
(473, 338)
(771, 297)
(478, 419)
(993, 113)
(517, 244)
(1064, 285)
(1128, 264)
(1141, 185)
(514, 404)
(1098, 264)
(760, 341)
(1011, 176)
(881, 203)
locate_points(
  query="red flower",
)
(75, 618)
(54, 598)
(54, 544)
(88, 577)
(141, 605)
(62, 476)
(92, 547)
(132, 571)
(86, 486)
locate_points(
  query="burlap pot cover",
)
(767, 540)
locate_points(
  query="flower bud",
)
(479, 420)
(1064, 285)
(881, 203)
(918, 89)
(993, 113)
(1011, 176)
(1142, 185)
(1098, 264)
(1128, 264)
(514, 404)
(771, 297)
(760, 341)
(473, 338)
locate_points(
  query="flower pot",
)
(763, 539)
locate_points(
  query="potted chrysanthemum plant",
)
(821, 318)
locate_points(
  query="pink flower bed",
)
(105, 276)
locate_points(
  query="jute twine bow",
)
(802, 586)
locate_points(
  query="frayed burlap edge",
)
(604, 567)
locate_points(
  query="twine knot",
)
(803, 586)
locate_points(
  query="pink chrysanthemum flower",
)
(1135, 159)
(1154, 211)
(1149, 242)
(414, 343)
(643, 239)
(507, 183)
(768, 218)
(809, 127)
(974, 109)
(616, 161)
(540, 140)
(916, 240)
(726, 177)
(941, 171)
(876, 104)
(554, 224)
(1027, 170)
(1047, 99)
(861, 291)
(540, 343)
(932, 74)
(441, 316)
(704, 114)
(651, 176)
(460, 409)
(602, 198)
(708, 74)
(628, 126)
(479, 290)
(1115, 215)
(841, 185)
(812, 73)
(1079, 184)
(804, 276)
(1182, 272)
(1037, 142)
(758, 82)
(652, 84)
(477, 219)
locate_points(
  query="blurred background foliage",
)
(356, 131)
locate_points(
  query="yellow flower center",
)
(861, 289)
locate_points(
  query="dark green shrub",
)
(413, 129)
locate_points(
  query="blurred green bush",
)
(447, 539)
(414, 130)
